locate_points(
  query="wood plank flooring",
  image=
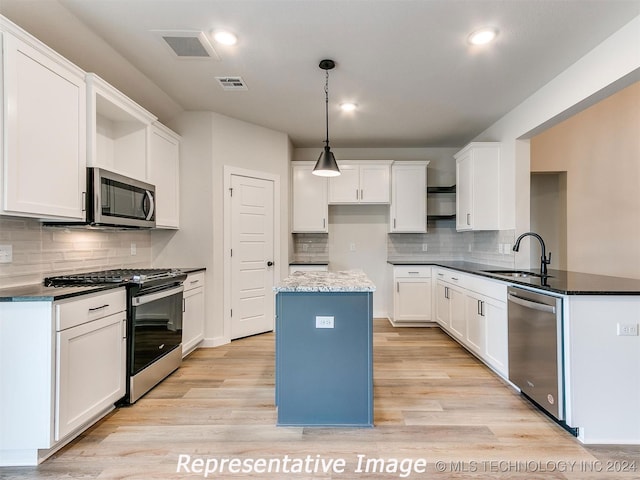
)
(433, 401)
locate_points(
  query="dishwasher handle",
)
(543, 307)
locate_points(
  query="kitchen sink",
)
(515, 273)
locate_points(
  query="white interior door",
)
(252, 254)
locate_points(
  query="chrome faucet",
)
(544, 261)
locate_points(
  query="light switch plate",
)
(6, 253)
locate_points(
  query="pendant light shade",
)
(326, 166)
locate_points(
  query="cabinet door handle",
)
(357, 191)
(184, 305)
(99, 308)
(468, 219)
(394, 223)
(398, 287)
(124, 328)
(324, 223)
(361, 194)
(84, 201)
(479, 308)
(446, 293)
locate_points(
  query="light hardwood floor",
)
(433, 401)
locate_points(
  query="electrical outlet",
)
(6, 253)
(134, 249)
(424, 247)
(627, 329)
(324, 322)
(500, 248)
(507, 248)
(305, 247)
(352, 247)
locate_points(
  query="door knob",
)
(269, 263)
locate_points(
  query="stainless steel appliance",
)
(116, 200)
(535, 348)
(154, 321)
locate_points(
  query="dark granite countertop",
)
(40, 293)
(559, 281)
(191, 269)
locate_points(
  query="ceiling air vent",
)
(188, 44)
(232, 83)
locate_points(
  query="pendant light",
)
(326, 165)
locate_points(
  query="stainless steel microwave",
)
(119, 201)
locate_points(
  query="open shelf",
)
(441, 203)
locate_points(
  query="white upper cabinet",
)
(118, 130)
(361, 182)
(163, 172)
(478, 187)
(44, 130)
(408, 197)
(309, 207)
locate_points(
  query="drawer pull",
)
(193, 282)
(414, 273)
(99, 308)
(455, 278)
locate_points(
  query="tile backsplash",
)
(309, 247)
(40, 251)
(442, 242)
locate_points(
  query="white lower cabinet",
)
(450, 302)
(497, 339)
(193, 312)
(68, 362)
(91, 355)
(473, 310)
(89, 367)
(412, 295)
(476, 325)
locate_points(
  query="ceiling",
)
(406, 63)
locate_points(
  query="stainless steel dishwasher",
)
(535, 348)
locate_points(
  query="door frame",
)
(230, 171)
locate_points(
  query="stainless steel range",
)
(154, 321)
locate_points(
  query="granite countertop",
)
(346, 281)
(559, 281)
(39, 293)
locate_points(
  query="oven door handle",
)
(152, 297)
(543, 307)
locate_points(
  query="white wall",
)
(609, 67)
(209, 142)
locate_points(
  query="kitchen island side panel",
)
(324, 376)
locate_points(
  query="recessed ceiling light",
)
(348, 107)
(483, 36)
(225, 38)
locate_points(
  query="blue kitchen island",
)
(324, 349)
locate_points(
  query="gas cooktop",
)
(137, 276)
